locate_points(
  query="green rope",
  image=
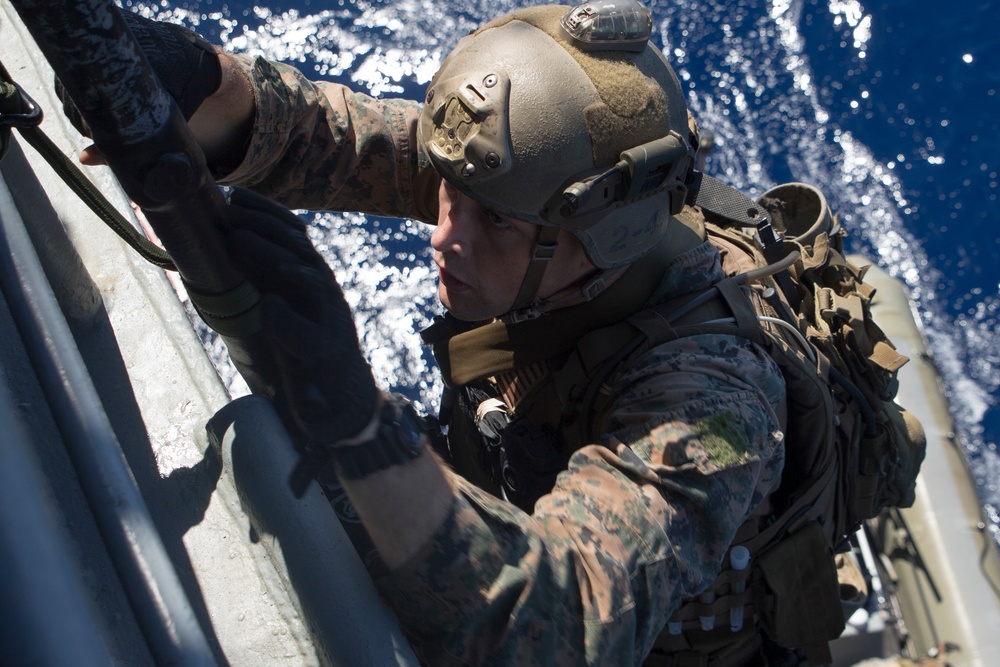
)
(17, 110)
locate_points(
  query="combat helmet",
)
(568, 118)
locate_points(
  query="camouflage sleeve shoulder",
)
(636, 523)
(322, 146)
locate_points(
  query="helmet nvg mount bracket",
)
(565, 117)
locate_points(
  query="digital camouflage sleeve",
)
(638, 521)
(322, 146)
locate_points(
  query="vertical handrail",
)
(151, 583)
(45, 618)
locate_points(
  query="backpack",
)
(851, 451)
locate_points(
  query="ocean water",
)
(890, 107)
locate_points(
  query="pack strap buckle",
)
(12, 96)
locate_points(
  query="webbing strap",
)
(236, 313)
(18, 110)
(739, 304)
(544, 251)
(689, 616)
(735, 207)
(886, 357)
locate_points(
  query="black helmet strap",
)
(541, 255)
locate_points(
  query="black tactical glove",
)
(326, 393)
(185, 63)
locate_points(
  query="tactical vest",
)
(850, 450)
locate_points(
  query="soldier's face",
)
(482, 257)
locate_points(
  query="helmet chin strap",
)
(545, 249)
(528, 305)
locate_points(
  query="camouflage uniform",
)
(324, 147)
(637, 522)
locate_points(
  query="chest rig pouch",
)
(520, 458)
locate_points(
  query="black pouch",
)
(531, 458)
(910, 446)
(798, 596)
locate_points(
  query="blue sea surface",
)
(890, 107)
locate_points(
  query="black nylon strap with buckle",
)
(19, 110)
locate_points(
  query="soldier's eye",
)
(497, 221)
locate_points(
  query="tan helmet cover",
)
(517, 113)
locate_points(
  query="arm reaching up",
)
(212, 92)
